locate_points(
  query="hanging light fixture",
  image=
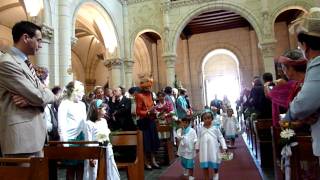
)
(33, 7)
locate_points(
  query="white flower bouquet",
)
(287, 137)
(102, 138)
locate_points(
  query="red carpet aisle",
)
(241, 167)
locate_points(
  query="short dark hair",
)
(312, 41)
(168, 90)
(267, 77)
(187, 119)
(24, 27)
(56, 89)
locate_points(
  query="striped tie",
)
(30, 65)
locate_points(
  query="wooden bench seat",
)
(264, 141)
(24, 169)
(55, 151)
(135, 170)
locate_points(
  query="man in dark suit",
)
(120, 111)
(23, 97)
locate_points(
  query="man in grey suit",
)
(22, 96)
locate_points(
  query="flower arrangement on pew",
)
(287, 140)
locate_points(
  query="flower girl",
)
(230, 126)
(187, 138)
(97, 130)
(208, 144)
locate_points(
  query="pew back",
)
(24, 168)
(135, 170)
(55, 151)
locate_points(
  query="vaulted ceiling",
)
(224, 19)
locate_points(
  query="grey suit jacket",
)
(22, 130)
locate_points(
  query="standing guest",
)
(107, 94)
(23, 96)
(132, 93)
(120, 112)
(307, 102)
(216, 103)
(182, 105)
(208, 144)
(187, 139)
(294, 67)
(99, 92)
(146, 123)
(72, 117)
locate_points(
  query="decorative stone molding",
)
(73, 40)
(113, 63)
(176, 4)
(47, 32)
(268, 48)
(170, 60)
(267, 25)
(90, 82)
(134, 1)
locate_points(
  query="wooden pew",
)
(264, 141)
(168, 141)
(135, 170)
(24, 169)
(55, 151)
(276, 153)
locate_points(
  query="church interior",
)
(211, 48)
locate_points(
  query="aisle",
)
(241, 167)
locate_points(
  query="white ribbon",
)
(285, 159)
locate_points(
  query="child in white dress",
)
(230, 126)
(208, 144)
(97, 130)
(187, 137)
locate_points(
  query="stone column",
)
(89, 84)
(128, 71)
(115, 65)
(268, 53)
(65, 26)
(43, 58)
(170, 60)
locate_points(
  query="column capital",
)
(73, 40)
(268, 48)
(170, 60)
(90, 82)
(128, 63)
(113, 62)
(47, 32)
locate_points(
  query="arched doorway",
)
(147, 59)
(97, 41)
(221, 76)
(218, 28)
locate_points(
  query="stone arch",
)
(226, 46)
(140, 31)
(239, 9)
(101, 8)
(286, 5)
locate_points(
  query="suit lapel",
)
(25, 68)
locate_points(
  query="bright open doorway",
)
(221, 77)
